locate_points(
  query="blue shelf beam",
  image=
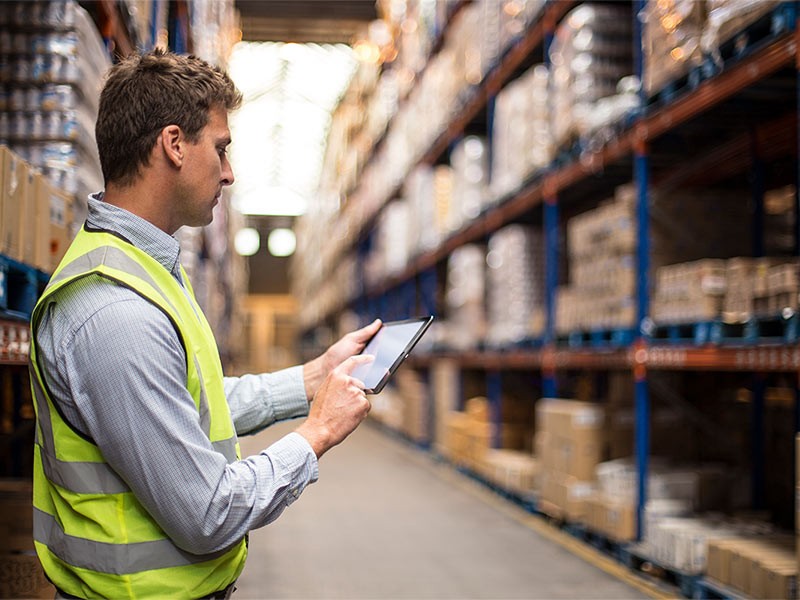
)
(494, 393)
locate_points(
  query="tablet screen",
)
(390, 346)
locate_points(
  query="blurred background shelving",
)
(597, 201)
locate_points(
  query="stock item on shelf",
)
(515, 285)
(35, 218)
(681, 35)
(601, 247)
(756, 562)
(733, 290)
(52, 61)
(521, 142)
(670, 40)
(467, 440)
(591, 58)
(402, 405)
(465, 298)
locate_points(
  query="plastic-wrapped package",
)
(726, 18)
(470, 163)
(515, 285)
(465, 297)
(515, 17)
(52, 62)
(521, 133)
(670, 40)
(589, 55)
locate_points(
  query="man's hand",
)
(339, 406)
(315, 371)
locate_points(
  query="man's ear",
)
(172, 142)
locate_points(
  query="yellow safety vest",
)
(92, 536)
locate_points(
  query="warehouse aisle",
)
(385, 521)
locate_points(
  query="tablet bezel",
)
(425, 323)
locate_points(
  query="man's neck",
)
(143, 200)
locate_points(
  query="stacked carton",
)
(35, 218)
(689, 292)
(569, 443)
(515, 471)
(602, 289)
(760, 566)
(734, 290)
(468, 435)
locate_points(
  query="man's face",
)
(206, 170)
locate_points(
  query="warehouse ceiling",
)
(289, 92)
(320, 21)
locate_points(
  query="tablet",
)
(390, 346)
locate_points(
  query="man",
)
(139, 489)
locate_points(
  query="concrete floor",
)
(386, 521)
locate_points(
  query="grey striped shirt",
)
(117, 371)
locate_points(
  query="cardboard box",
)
(28, 215)
(61, 232)
(16, 515)
(779, 581)
(12, 196)
(719, 559)
(21, 576)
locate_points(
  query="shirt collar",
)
(139, 232)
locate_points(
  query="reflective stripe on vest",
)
(92, 535)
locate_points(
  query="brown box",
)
(21, 576)
(29, 213)
(36, 237)
(12, 197)
(620, 521)
(16, 515)
(781, 582)
(60, 227)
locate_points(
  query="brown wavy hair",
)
(145, 93)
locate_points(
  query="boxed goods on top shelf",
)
(670, 40)
(726, 18)
(681, 35)
(590, 54)
(213, 29)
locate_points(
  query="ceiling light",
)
(247, 241)
(281, 242)
(269, 201)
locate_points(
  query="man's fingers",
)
(351, 363)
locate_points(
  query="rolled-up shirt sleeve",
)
(134, 403)
(257, 401)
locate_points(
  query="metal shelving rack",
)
(631, 153)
